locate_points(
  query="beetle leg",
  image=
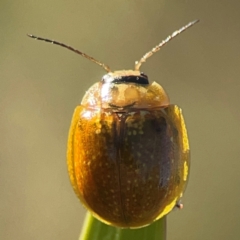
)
(179, 205)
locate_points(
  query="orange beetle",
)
(128, 151)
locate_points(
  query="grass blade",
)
(93, 229)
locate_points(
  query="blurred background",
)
(41, 84)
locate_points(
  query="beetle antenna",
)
(106, 68)
(158, 47)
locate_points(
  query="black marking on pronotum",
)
(125, 79)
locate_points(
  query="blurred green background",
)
(41, 84)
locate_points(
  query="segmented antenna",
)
(106, 68)
(158, 47)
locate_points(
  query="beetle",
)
(128, 149)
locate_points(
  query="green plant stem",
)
(93, 229)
